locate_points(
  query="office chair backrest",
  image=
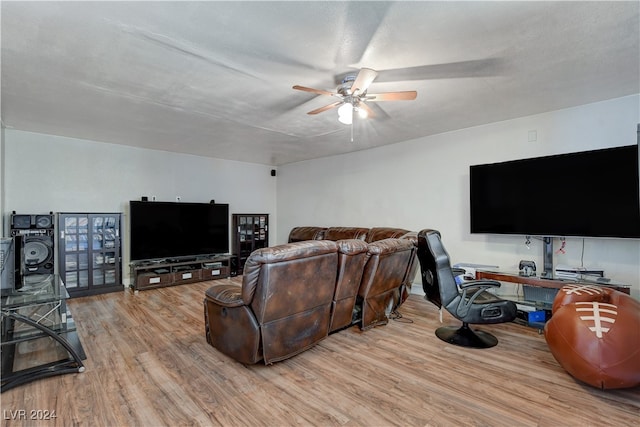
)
(438, 281)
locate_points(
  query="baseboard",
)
(416, 288)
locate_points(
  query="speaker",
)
(233, 264)
(37, 254)
(34, 244)
(20, 222)
(31, 222)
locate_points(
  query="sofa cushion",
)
(379, 233)
(299, 234)
(340, 233)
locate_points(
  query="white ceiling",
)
(214, 78)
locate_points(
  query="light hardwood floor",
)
(149, 365)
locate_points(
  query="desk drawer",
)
(188, 276)
(146, 280)
(215, 273)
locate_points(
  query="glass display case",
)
(250, 232)
(90, 260)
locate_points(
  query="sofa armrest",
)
(225, 295)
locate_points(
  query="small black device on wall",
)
(273, 172)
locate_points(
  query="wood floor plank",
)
(149, 365)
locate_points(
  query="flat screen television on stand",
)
(585, 194)
(172, 230)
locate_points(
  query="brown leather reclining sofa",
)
(292, 296)
(373, 295)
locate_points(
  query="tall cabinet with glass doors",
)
(90, 259)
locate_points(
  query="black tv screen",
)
(172, 230)
(587, 194)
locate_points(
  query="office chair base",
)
(464, 336)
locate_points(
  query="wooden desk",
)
(543, 283)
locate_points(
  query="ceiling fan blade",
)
(326, 107)
(312, 90)
(380, 114)
(363, 80)
(464, 69)
(365, 107)
(369, 17)
(409, 95)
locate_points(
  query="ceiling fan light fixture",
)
(352, 94)
(345, 113)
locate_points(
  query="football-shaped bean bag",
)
(579, 292)
(597, 342)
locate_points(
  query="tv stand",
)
(185, 259)
(178, 271)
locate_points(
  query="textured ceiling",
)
(214, 78)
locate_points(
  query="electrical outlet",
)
(153, 198)
(177, 198)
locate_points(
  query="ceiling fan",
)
(353, 96)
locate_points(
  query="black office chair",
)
(468, 302)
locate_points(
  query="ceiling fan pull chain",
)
(351, 131)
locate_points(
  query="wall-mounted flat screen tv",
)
(173, 230)
(587, 194)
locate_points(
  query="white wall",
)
(44, 173)
(424, 184)
(2, 233)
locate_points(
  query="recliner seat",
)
(281, 307)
